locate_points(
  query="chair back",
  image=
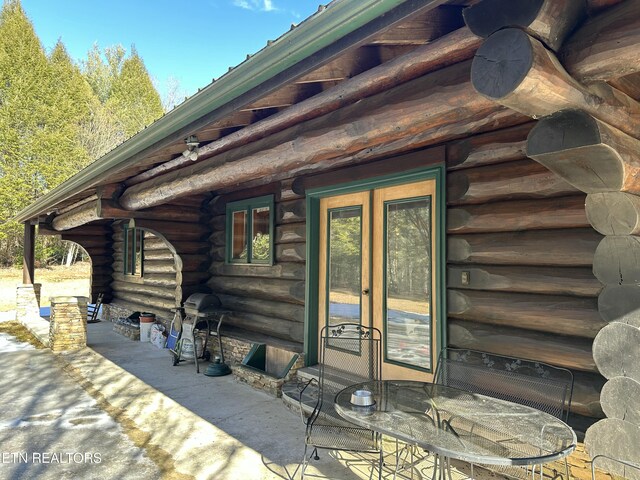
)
(351, 352)
(539, 385)
(616, 467)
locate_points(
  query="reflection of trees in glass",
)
(345, 250)
(260, 246)
(409, 249)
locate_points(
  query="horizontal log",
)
(551, 213)
(76, 217)
(100, 260)
(218, 204)
(563, 315)
(150, 266)
(387, 166)
(616, 439)
(548, 20)
(489, 148)
(163, 280)
(89, 242)
(105, 250)
(252, 322)
(620, 303)
(568, 352)
(147, 302)
(614, 213)
(517, 71)
(586, 394)
(193, 263)
(292, 211)
(166, 213)
(542, 280)
(586, 152)
(183, 292)
(510, 181)
(268, 289)
(94, 229)
(175, 231)
(572, 248)
(278, 310)
(617, 260)
(606, 46)
(619, 399)
(292, 271)
(291, 252)
(192, 278)
(155, 255)
(616, 350)
(385, 120)
(151, 291)
(451, 48)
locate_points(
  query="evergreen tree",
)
(133, 99)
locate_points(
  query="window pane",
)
(139, 250)
(408, 282)
(344, 265)
(239, 236)
(128, 254)
(261, 240)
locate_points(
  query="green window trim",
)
(132, 249)
(247, 207)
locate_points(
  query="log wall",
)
(267, 301)
(520, 232)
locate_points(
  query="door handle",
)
(365, 291)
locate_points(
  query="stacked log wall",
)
(267, 301)
(520, 234)
(176, 259)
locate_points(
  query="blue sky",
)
(192, 41)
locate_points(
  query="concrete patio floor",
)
(194, 426)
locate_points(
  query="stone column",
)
(68, 323)
(28, 301)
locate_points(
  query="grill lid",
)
(201, 303)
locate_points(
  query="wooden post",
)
(29, 255)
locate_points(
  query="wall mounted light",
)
(193, 147)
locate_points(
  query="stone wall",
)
(68, 323)
(28, 301)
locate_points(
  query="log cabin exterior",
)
(483, 165)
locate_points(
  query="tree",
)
(133, 100)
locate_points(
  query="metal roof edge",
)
(340, 18)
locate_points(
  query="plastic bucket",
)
(147, 317)
(145, 331)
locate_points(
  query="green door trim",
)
(313, 197)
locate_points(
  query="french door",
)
(377, 253)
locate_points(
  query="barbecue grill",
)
(200, 310)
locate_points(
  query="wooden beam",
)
(616, 260)
(85, 213)
(620, 303)
(550, 21)
(568, 352)
(614, 213)
(586, 152)
(422, 29)
(452, 48)
(525, 279)
(510, 181)
(267, 289)
(606, 46)
(517, 71)
(571, 248)
(549, 213)
(616, 350)
(29, 254)
(546, 313)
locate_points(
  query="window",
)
(250, 231)
(133, 251)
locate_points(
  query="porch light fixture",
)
(192, 148)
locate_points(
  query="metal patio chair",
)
(352, 352)
(535, 384)
(94, 309)
(617, 467)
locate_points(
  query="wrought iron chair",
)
(617, 467)
(348, 352)
(535, 384)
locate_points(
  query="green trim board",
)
(248, 206)
(130, 250)
(436, 172)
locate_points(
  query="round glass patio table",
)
(460, 425)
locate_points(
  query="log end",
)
(620, 303)
(614, 213)
(561, 131)
(489, 16)
(617, 439)
(502, 63)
